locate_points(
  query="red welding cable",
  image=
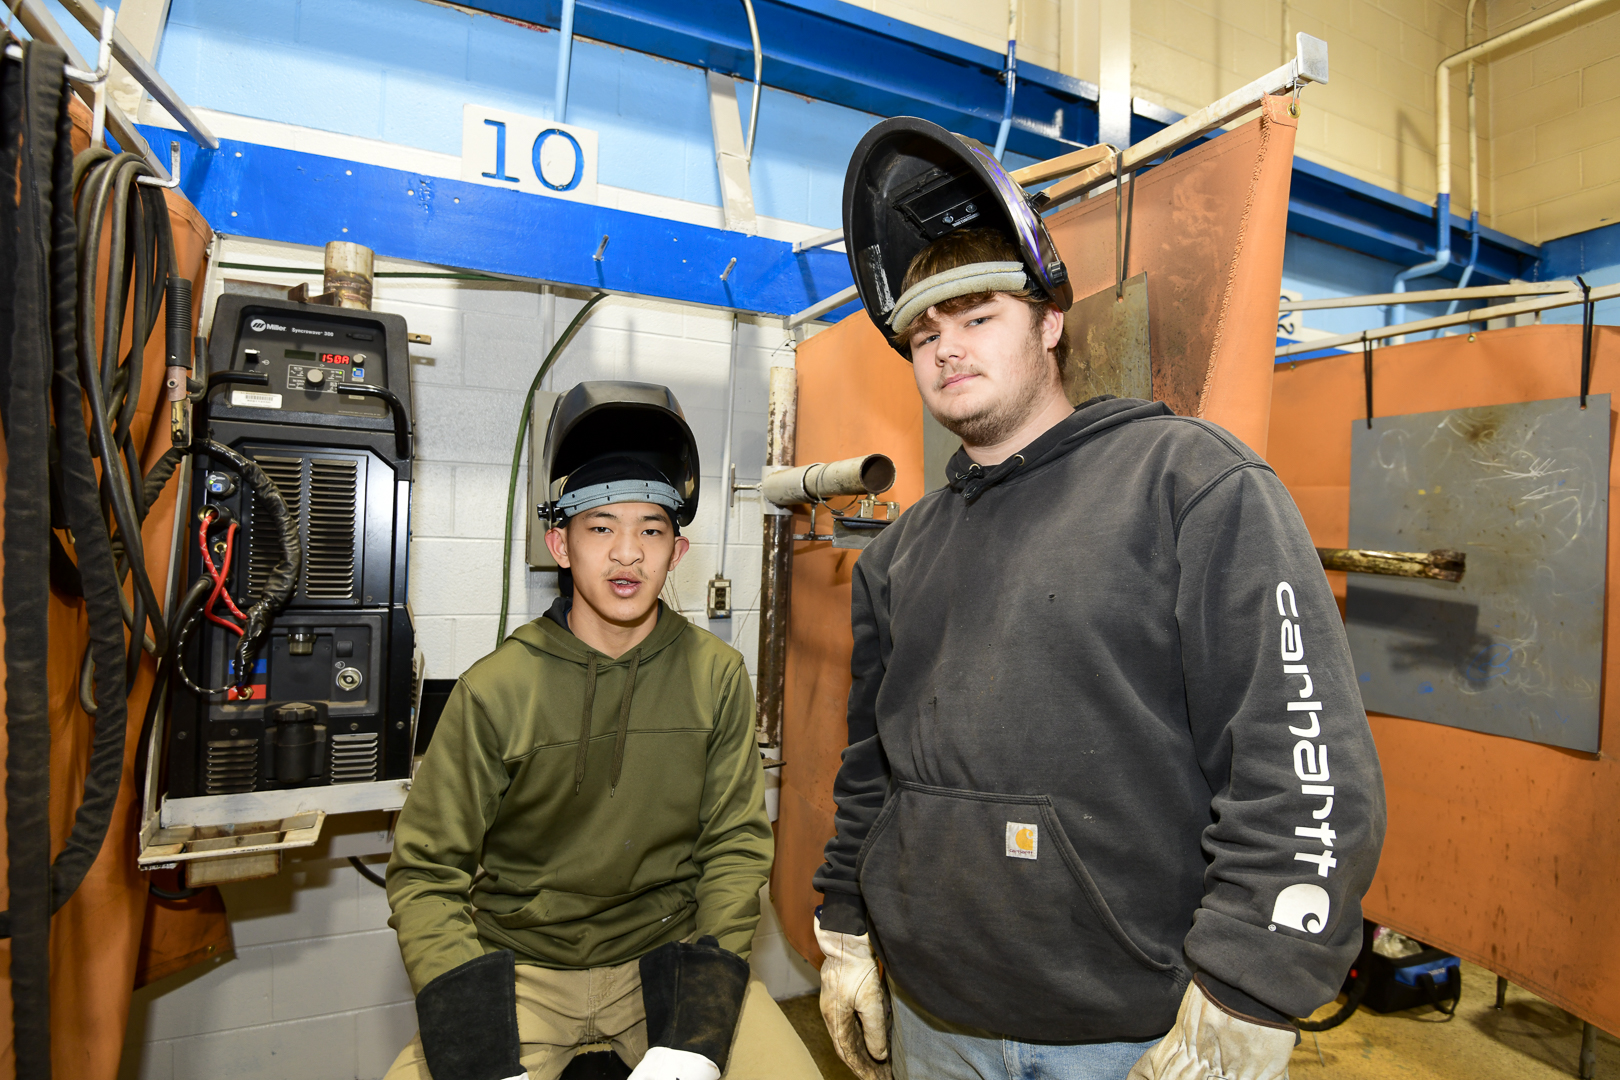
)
(219, 578)
(225, 571)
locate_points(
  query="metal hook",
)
(174, 171)
(600, 248)
(730, 266)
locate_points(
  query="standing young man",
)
(581, 855)
(1109, 775)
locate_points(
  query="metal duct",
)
(869, 475)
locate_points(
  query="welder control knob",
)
(220, 484)
(296, 712)
(349, 679)
(315, 376)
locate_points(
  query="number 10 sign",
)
(526, 153)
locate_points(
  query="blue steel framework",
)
(825, 49)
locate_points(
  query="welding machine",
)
(319, 398)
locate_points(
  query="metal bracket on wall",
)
(731, 157)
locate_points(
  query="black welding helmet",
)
(910, 182)
(632, 434)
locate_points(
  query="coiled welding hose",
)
(133, 222)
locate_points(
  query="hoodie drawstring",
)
(624, 720)
(585, 722)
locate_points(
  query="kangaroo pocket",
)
(988, 917)
(574, 929)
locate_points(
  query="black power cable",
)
(367, 872)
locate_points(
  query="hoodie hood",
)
(969, 479)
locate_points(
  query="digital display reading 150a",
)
(325, 358)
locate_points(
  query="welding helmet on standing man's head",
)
(619, 442)
(911, 182)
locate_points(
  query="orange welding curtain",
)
(96, 947)
(1208, 227)
(1500, 850)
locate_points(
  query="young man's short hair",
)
(962, 248)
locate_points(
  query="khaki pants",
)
(560, 1011)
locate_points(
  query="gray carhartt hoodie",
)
(1104, 732)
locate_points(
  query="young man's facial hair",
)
(1026, 378)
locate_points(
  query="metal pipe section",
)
(872, 474)
(1010, 73)
(821, 307)
(1567, 299)
(1478, 292)
(348, 275)
(776, 563)
(725, 452)
(565, 55)
(759, 69)
(1442, 564)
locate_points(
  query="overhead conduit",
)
(1442, 143)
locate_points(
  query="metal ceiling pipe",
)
(776, 562)
(872, 474)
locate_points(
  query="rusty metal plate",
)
(1109, 351)
(1516, 647)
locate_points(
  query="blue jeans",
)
(924, 1047)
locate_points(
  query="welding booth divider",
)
(1208, 229)
(112, 935)
(1498, 850)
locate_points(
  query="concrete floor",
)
(1528, 1040)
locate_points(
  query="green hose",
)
(517, 455)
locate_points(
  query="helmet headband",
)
(619, 491)
(960, 281)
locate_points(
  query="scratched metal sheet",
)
(1515, 648)
(1108, 343)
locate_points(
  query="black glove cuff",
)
(1239, 1004)
(694, 997)
(843, 913)
(467, 1019)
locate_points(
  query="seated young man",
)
(581, 855)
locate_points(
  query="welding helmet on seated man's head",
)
(613, 442)
(911, 182)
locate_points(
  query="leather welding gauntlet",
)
(467, 1019)
(852, 1003)
(1211, 1040)
(693, 994)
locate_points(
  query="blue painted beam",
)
(834, 51)
(1581, 253)
(273, 194)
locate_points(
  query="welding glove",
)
(467, 1020)
(852, 1003)
(693, 994)
(1210, 1040)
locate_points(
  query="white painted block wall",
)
(316, 988)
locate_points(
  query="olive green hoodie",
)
(582, 810)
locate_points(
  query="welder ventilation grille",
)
(329, 550)
(288, 476)
(232, 766)
(354, 758)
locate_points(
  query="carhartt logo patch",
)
(1021, 840)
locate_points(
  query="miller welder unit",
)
(319, 398)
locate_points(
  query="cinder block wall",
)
(1554, 121)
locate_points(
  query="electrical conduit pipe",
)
(1442, 138)
(1012, 78)
(565, 53)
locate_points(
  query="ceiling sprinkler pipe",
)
(872, 474)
